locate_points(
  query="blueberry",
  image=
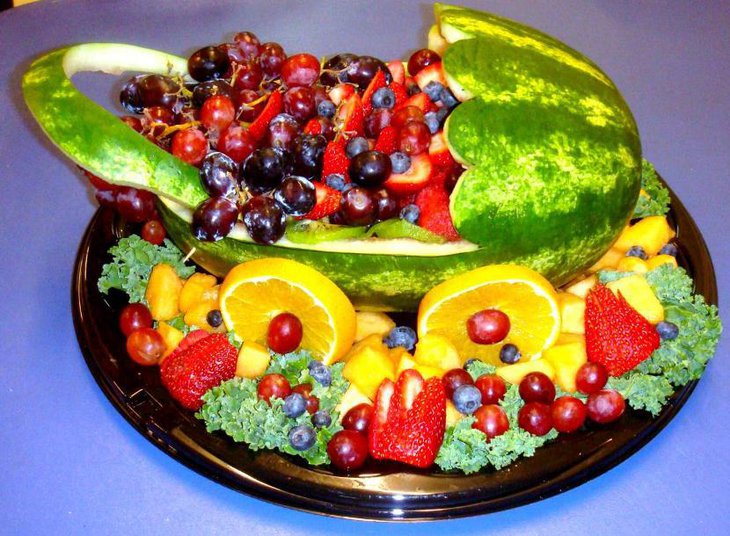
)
(467, 398)
(509, 354)
(669, 249)
(321, 419)
(470, 361)
(302, 437)
(637, 251)
(410, 213)
(413, 89)
(356, 146)
(400, 162)
(434, 90)
(326, 108)
(336, 181)
(294, 405)
(401, 336)
(383, 98)
(432, 122)
(667, 330)
(320, 372)
(442, 114)
(448, 99)
(214, 318)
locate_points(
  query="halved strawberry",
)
(187, 341)
(274, 106)
(421, 101)
(431, 73)
(387, 140)
(433, 202)
(335, 159)
(397, 71)
(351, 117)
(313, 127)
(340, 93)
(412, 180)
(328, 202)
(400, 92)
(375, 84)
(439, 152)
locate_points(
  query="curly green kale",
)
(657, 202)
(235, 408)
(132, 262)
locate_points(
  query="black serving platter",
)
(379, 491)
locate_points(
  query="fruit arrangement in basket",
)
(493, 183)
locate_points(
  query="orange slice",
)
(254, 292)
(526, 297)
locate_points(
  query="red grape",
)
(491, 420)
(536, 418)
(248, 44)
(271, 59)
(358, 418)
(217, 113)
(273, 385)
(591, 377)
(285, 333)
(133, 317)
(405, 115)
(299, 103)
(236, 142)
(492, 388)
(247, 111)
(421, 59)
(455, 378)
(145, 346)
(248, 76)
(304, 389)
(414, 138)
(377, 120)
(154, 232)
(348, 450)
(537, 387)
(568, 414)
(488, 326)
(358, 206)
(605, 406)
(300, 70)
(135, 123)
(190, 146)
(135, 205)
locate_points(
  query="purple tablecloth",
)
(71, 464)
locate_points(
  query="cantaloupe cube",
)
(171, 336)
(609, 260)
(514, 373)
(581, 287)
(197, 315)
(637, 292)
(633, 264)
(566, 359)
(452, 414)
(162, 293)
(372, 323)
(367, 368)
(253, 360)
(650, 233)
(572, 313)
(436, 351)
(192, 291)
(658, 260)
(352, 397)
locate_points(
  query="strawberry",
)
(328, 202)
(433, 202)
(375, 84)
(430, 73)
(397, 71)
(387, 140)
(340, 93)
(313, 127)
(400, 92)
(351, 117)
(259, 126)
(439, 152)
(189, 373)
(335, 159)
(412, 180)
(419, 100)
(617, 336)
(409, 419)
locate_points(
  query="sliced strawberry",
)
(439, 152)
(421, 101)
(400, 92)
(335, 159)
(412, 180)
(380, 433)
(397, 71)
(617, 336)
(187, 341)
(431, 73)
(328, 202)
(433, 203)
(189, 373)
(351, 117)
(375, 84)
(387, 140)
(313, 127)
(340, 93)
(274, 106)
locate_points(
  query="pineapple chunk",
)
(352, 397)
(609, 260)
(192, 291)
(163, 290)
(567, 338)
(640, 296)
(452, 414)
(197, 316)
(566, 359)
(437, 351)
(582, 287)
(404, 363)
(367, 368)
(372, 323)
(633, 264)
(658, 260)
(572, 312)
(253, 360)
(373, 341)
(514, 373)
(171, 336)
(650, 233)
